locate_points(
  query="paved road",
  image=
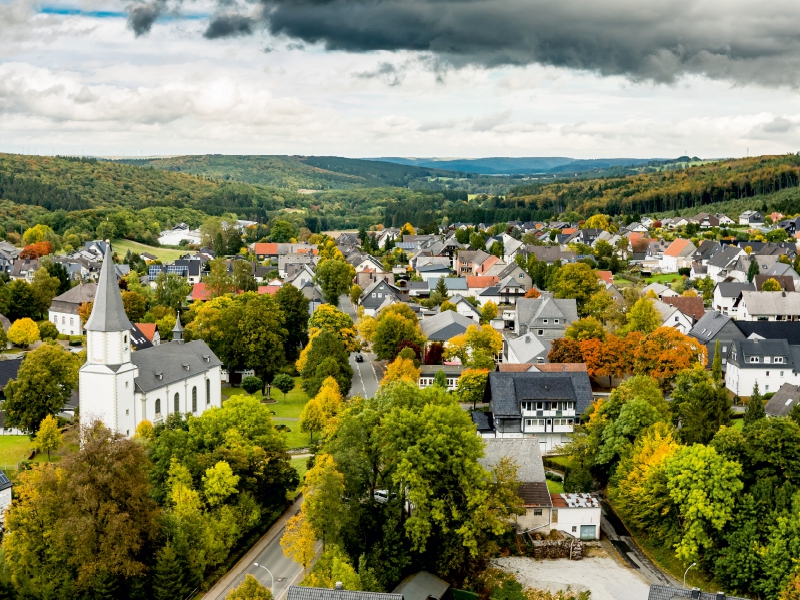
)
(365, 377)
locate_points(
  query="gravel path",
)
(605, 577)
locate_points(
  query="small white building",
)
(673, 317)
(181, 231)
(5, 495)
(577, 515)
(768, 362)
(63, 311)
(677, 256)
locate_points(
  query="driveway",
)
(605, 577)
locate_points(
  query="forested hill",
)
(70, 184)
(696, 186)
(297, 172)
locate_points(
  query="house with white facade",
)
(63, 312)
(727, 296)
(677, 256)
(122, 388)
(771, 363)
(671, 316)
(660, 290)
(751, 217)
(5, 494)
(545, 317)
(769, 306)
(465, 308)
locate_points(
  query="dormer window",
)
(544, 320)
(555, 321)
(778, 359)
(753, 359)
(767, 359)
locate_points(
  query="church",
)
(121, 387)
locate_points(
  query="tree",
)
(85, 311)
(703, 486)
(323, 488)
(93, 511)
(37, 233)
(21, 301)
(392, 328)
(441, 289)
(489, 312)
(249, 589)
(44, 383)
(168, 581)
(578, 281)
(598, 222)
(407, 229)
(299, 540)
(329, 397)
(23, 332)
(219, 483)
(447, 305)
(242, 277)
(665, 353)
(312, 418)
(440, 379)
(334, 278)
(171, 290)
(336, 321)
(643, 317)
(283, 382)
(752, 270)
(771, 285)
(476, 347)
(326, 356)
(282, 231)
(700, 405)
(47, 331)
(584, 329)
(755, 407)
(355, 294)
(565, 350)
(295, 312)
(135, 305)
(58, 271)
(44, 289)
(716, 365)
(251, 384)
(533, 293)
(48, 438)
(401, 369)
(471, 385)
(217, 281)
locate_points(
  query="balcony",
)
(548, 413)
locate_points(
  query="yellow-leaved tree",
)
(401, 369)
(476, 347)
(329, 397)
(23, 332)
(48, 438)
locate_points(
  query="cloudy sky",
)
(449, 78)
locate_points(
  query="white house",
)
(181, 231)
(63, 311)
(123, 388)
(677, 256)
(768, 362)
(465, 308)
(577, 515)
(5, 494)
(660, 290)
(727, 296)
(751, 217)
(672, 317)
(769, 306)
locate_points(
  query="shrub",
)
(47, 331)
(252, 384)
(77, 340)
(554, 477)
(577, 480)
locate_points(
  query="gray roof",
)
(5, 482)
(507, 390)
(524, 452)
(528, 309)
(771, 330)
(723, 257)
(422, 586)
(108, 314)
(170, 361)
(665, 592)
(709, 326)
(70, 301)
(308, 593)
(760, 347)
(732, 289)
(8, 370)
(527, 347)
(453, 283)
(772, 303)
(441, 327)
(783, 401)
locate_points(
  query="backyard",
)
(664, 278)
(121, 246)
(14, 449)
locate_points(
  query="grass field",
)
(121, 246)
(621, 281)
(297, 439)
(555, 487)
(291, 407)
(563, 461)
(13, 449)
(737, 424)
(300, 465)
(665, 278)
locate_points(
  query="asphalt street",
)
(365, 377)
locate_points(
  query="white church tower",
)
(107, 377)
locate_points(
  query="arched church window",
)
(177, 403)
(194, 399)
(208, 391)
(125, 339)
(158, 407)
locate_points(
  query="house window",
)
(208, 392)
(177, 402)
(781, 373)
(158, 407)
(574, 528)
(767, 359)
(676, 319)
(537, 512)
(766, 388)
(194, 399)
(779, 359)
(374, 295)
(767, 374)
(528, 422)
(126, 384)
(544, 320)
(127, 412)
(753, 359)
(555, 321)
(541, 332)
(63, 320)
(380, 295)
(72, 320)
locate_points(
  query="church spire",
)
(177, 331)
(108, 313)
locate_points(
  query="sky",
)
(421, 78)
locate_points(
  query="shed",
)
(422, 586)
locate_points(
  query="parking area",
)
(607, 577)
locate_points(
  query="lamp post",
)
(272, 587)
(694, 564)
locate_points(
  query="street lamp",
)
(272, 587)
(694, 564)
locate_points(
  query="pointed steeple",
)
(108, 313)
(177, 331)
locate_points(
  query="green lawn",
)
(121, 246)
(295, 438)
(665, 278)
(300, 466)
(13, 449)
(555, 487)
(563, 461)
(291, 407)
(622, 281)
(737, 424)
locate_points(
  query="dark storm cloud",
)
(229, 25)
(142, 16)
(743, 41)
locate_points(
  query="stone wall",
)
(572, 549)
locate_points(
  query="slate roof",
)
(724, 257)
(528, 309)
(8, 370)
(139, 339)
(772, 330)
(70, 301)
(308, 593)
(665, 592)
(688, 305)
(744, 349)
(505, 391)
(443, 326)
(5, 482)
(108, 314)
(526, 348)
(422, 586)
(786, 281)
(551, 254)
(524, 452)
(453, 283)
(772, 303)
(783, 401)
(732, 289)
(484, 421)
(170, 361)
(709, 326)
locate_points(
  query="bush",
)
(252, 384)
(77, 340)
(47, 331)
(684, 271)
(62, 336)
(554, 477)
(578, 480)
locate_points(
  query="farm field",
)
(121, 246)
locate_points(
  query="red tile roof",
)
(148, 329)
(268, 289)
(487, 264)
(199, 292)
(688, 305)
(562, 367)
(477, 281)
(568, 230)
(266, 248)
(676, 247)
(635, 235)
(606, 276)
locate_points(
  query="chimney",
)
(527, 339)
(338, 586)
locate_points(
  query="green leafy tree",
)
(250, 589)
(447, 305)
(47, 331)
(282, 231)
(21, 301)
(168, 575)
(326, 357)
(755, 407)
(135, 305)
(752, 270)
(323, 488)
(171, 290)
(393, 328)
(283, 382)
(312, 418)
(585, 329)
(334, 278)
(251, 384)
(699, 405)
(488, 312)
(295, 313)
(703, 486)
(441, 289)
(58, 271)
(643, 317)
(242, 277)
(49, 437)
(716, 365)
(355, 294)
(44, 383)
(44, 288)
(471, 385)
(218, 282)
(771, 285)
(577, 281)
(440, 379)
